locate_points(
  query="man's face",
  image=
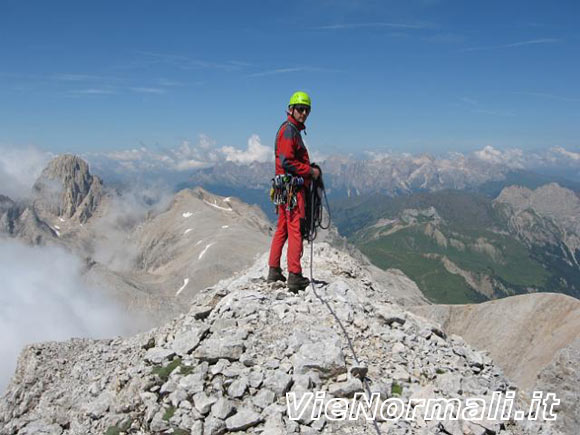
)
(300, 112)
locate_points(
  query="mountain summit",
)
(67, 189)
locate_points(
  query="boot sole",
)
(296, 288)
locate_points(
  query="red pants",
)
(289, 228)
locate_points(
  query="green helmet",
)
(300, 98)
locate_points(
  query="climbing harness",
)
(284, 189)
(315, 218)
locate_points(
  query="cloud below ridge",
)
(19, 169)
(44, 298)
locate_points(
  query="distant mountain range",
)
(487, 170)
(389, 175)
(464, 247)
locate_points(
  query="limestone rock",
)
(67, 189)
(243, 419)
(215, 349)
(328, 363)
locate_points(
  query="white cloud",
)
(347, 26)
(189, 164)
(143, 90)
(123, 213)
(256, 152)
(43, 298)
(489, 153)
(570, 154)
(515, 44)
(277, 71)
(19, 169)
(317, 157)
(533, 42)
(93, 91)
(513, 157)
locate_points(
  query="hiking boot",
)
(275, 274)
(297, 282)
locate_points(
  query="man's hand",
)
(315, 172)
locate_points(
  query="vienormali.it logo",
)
(498, 407)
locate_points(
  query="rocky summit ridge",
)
(226, 365)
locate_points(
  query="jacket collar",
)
(300, 126)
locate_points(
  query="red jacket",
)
(291, 154)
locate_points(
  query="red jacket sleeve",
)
(289, 142)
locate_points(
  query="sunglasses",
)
(302, 109)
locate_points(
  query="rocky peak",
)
(67, 189)
(226, 365)
(550, 200)
(413, 216)
(19, 220)
(5, 203)
(545, 216)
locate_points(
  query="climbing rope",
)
(315, 209)
(316, 219)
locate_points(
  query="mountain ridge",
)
(227, 364)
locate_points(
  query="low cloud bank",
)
(124, 212)
(186, 157)
(255, 152)
(43, 298)
(19, 169)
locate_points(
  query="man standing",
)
(292, 158)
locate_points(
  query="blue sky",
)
(418, 76)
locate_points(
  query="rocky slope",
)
(226, 365)
(545, 216)
(534, 338)
(198, 240)
(22, 222)
(522, 333)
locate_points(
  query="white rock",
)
(243, 419)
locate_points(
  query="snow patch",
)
(204, 251)
(57, 227)
(225, 226)
(217, 206)
(227, 199)
(61, 219)
(187, 214)
(187, 231)
(185, 282)
(198, 242)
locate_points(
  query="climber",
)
(292, 159)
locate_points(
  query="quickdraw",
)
(283, 190)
